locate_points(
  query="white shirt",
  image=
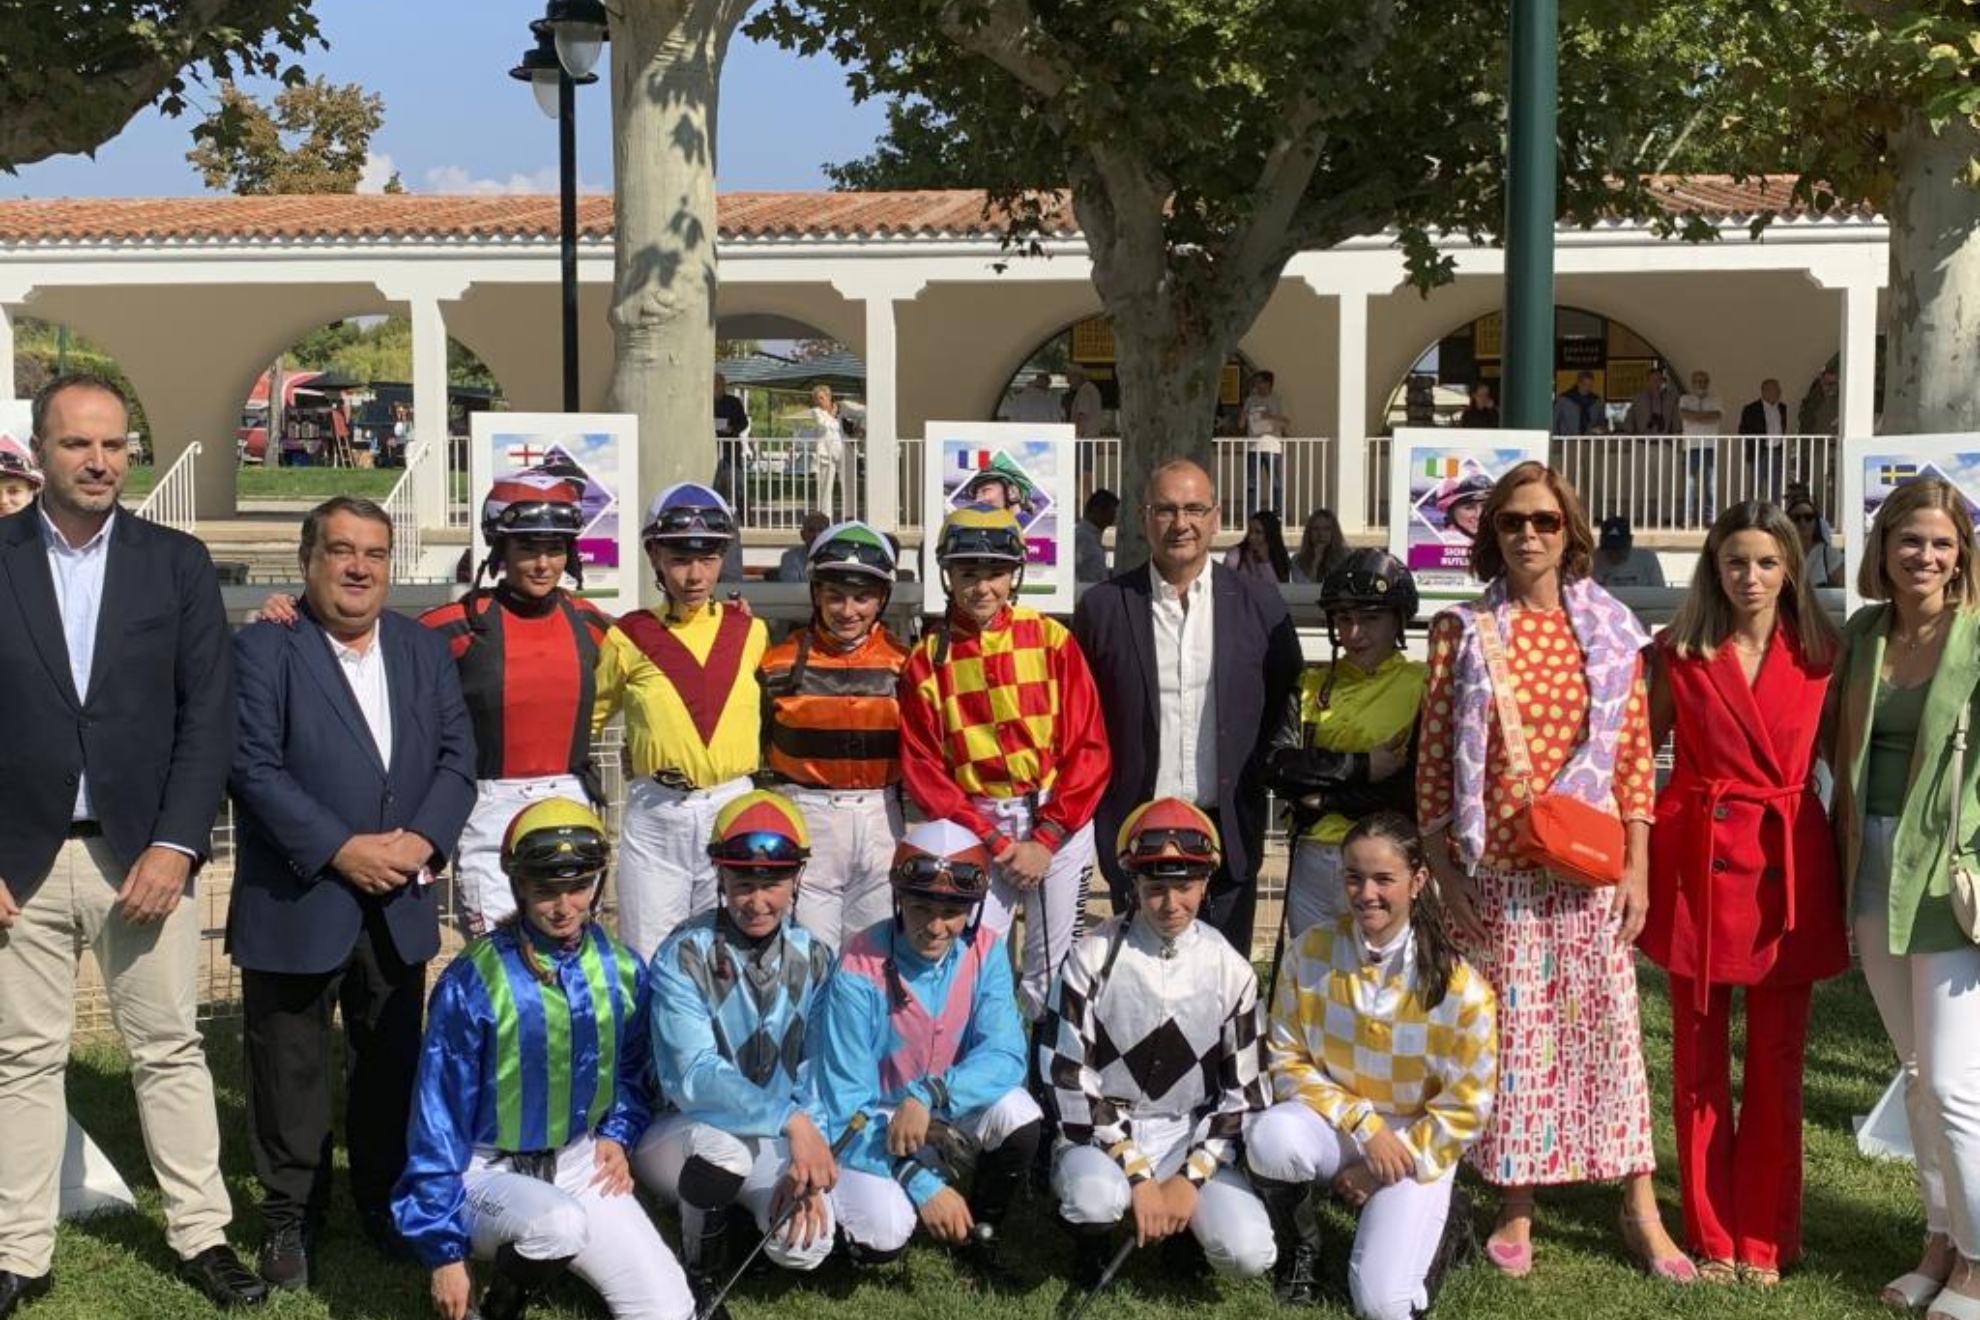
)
(365, 672)
(1700, 403)
(78, 573)
(1086, 410)
(1776, 417)
(1036, 407)
(1261, 414)
(1186, 696)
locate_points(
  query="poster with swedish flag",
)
(1876, 467)
(1439, 478)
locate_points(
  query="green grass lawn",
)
(1863, 1225)
(288, 483)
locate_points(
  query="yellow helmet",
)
(760, 832)
(978, 531)
(555, 839)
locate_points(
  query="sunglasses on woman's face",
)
(1546, 522)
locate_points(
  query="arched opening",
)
(781, 465)
(1437, 388)
(45, 349)
(341, 397)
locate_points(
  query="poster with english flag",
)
(597, 451)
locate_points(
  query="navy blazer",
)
(1255, 663)
(154, 732)
(307, 776)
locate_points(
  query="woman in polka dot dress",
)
(1573, 1104)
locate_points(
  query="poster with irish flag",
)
(1440, 479)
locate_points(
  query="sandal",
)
(1718, 1271)
(1954, 1306)
(1911, 1291)
(1671, 1269)
(1761, 1276)
(1512, 1259)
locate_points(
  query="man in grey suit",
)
(1192, 660)
(353, 778)
(114, 663)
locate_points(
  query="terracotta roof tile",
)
(743, 217)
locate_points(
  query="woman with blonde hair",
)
(1321, 548)
(1573, 1103)
(1905, 809)
(1743, 887)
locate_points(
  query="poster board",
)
(1874, 466)
(600, 448)
(17, 419)
(1438, 477)
(1043, 455)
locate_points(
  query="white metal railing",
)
(461, 501)
(772, 484)
(1674, 483)
(402, 506)
(1305, 477)
(174, 501)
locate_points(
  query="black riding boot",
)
(705, 1258)
(999, 1174)
(517, 1282)
(1293, 1279)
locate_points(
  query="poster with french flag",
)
(1026, 467)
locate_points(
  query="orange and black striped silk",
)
(831, 713)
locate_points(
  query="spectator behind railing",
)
(1578, 411)
(1818, 549)
(1618, 563)
(1482, 413)
(1262, 552)
(1321, 547)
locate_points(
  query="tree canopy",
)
(314, 140)
(74, 72)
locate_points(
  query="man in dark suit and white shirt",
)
(1763, 422)
(353, 777)
(115, 666)
(1190, 659)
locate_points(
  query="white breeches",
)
(611, 1243)
(674, 1139)
(1401, 1224)
(1052, 912)
(482, 896)
(876, 1211)
(845, 887)
(1230, 1221)
(664, 875)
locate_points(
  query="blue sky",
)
(456, 122)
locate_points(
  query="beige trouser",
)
(148, 971)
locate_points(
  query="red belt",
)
(1784, 804)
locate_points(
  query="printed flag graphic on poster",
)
(1875, 467)
(1026, 467)
(1440, 478)
(599, 451)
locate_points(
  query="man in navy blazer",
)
(353, 776)
(115, 683)
(1191, 659)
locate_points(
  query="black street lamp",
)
(568, 39)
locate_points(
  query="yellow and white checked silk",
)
(1353, 1040)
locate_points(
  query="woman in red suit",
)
(1743, 887)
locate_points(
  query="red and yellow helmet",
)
(1168, 839)
(760, 834)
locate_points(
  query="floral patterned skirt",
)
(1573, 1104)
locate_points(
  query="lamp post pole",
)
(567, 227)
(1527, 369)
(568, 39)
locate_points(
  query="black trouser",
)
(1230, 904)
(289, 1052)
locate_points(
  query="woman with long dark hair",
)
(1574, 1101)
(1383, 1058)
(1743, 888)
(1262, 552)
